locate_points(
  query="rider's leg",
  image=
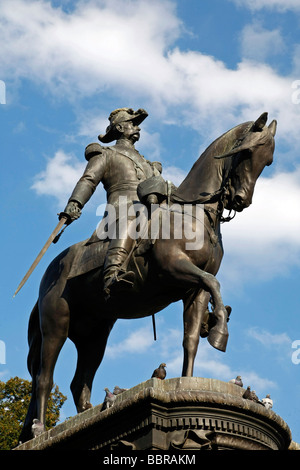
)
(115, 266)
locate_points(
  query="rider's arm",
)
(93, 174)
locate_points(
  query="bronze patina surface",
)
(133, 280)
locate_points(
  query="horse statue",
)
(73, 306)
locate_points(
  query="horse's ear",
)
(273, 127)
(257, 126)
(260, 122)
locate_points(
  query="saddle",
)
(90, 256)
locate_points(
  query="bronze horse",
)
(223, 177)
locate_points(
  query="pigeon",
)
(118, 390)
(160, 372)
(37, 428)
(251, 395)
(267, 402)
(247, 393)
(237, 381)
(254, 397)
(109, 399)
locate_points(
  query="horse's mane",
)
(201, 180)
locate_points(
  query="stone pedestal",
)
(186, 414)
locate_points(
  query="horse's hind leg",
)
(54, 328)
(194, 309)
(90, 354)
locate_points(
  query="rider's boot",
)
(115, 276)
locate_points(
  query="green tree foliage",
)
(15, 396)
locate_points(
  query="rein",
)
(219, 211)
(219, 194)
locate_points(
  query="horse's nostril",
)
(239, 199)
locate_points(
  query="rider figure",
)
(120, 168)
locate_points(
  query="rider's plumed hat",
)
(121, 115)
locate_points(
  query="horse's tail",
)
(34, 341)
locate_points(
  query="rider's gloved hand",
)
(72, 212)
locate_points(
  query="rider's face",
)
(130, 131)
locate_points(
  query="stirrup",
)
(125, 280)
(126, 277)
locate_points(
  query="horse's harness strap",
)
(202, 200)
(212, 235)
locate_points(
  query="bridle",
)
(221, 195)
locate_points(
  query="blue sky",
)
(198, 68)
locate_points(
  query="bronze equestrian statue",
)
(72, 302)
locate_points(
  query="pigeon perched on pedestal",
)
(37, 428)
(254, 397)
(160, 372)
(251, 395)
(267, 402)
(118, 390)
(247, 393)
(237, 381)
(109, 399)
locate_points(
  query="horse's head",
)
(248, 159)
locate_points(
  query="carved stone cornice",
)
(174, 414)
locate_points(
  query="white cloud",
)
(174, 174)
(99, 44)
(257, 383)
(263, 241)
(92, 125)
(139, 341)
(99, 47)
(258, 43)
(216, 96)
(269, 339)
(59, 178)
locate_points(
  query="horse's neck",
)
(203, 181)
(209, 174)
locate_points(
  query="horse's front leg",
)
(183, 270)
(194, 309)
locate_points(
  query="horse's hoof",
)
(37, 428)
(218, 339)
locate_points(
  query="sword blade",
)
(41, 253)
